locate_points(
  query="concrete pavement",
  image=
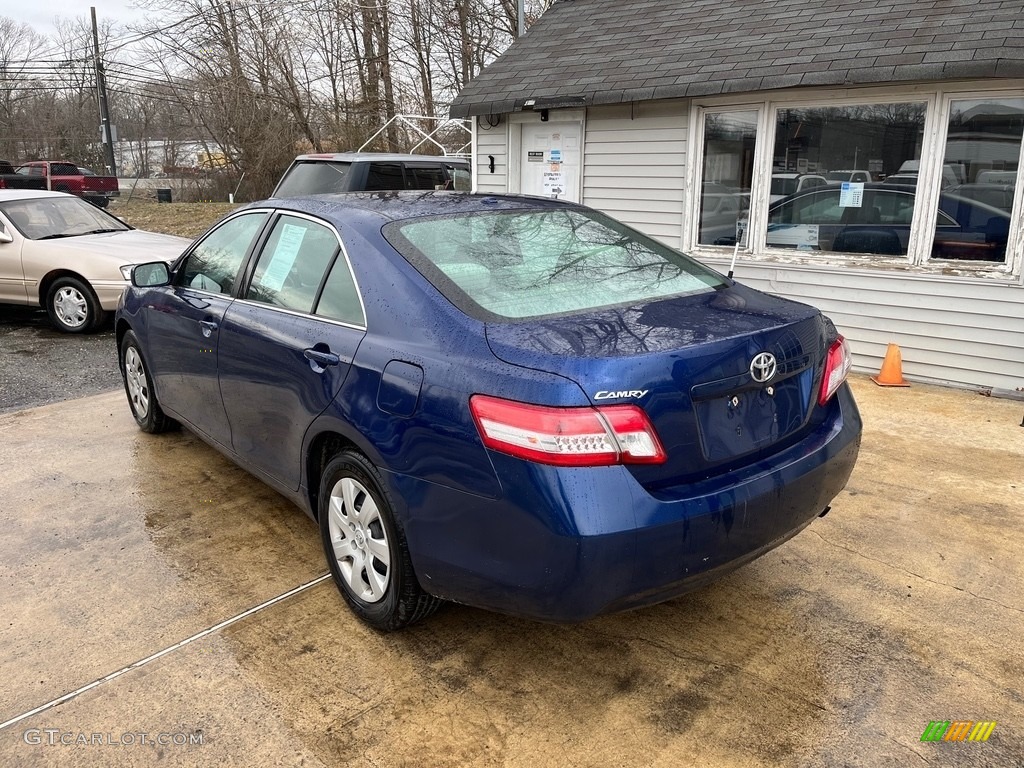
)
(905, 605)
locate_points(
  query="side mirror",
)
(151, 275)
(5, 236)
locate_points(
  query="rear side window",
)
(522, 264)
(340, 298)
(213, 264)
(382, 176)
(314, 178)
(425, 177)
(292, 264)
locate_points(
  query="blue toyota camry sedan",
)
(514, 403)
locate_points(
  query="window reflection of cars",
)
(997, 195)
(838, 177)
(720, 207)
(997, 177)
(815, 220)
(786, 184)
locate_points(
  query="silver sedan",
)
(59, 252)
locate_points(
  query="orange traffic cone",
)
(891, 374)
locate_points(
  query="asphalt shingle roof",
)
(583, 52)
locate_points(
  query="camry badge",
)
(763, 367)
(605, 394)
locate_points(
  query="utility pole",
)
(106, 130)
(522, 17)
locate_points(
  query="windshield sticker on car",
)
(799, 236)
(284, 256)
(851, 194)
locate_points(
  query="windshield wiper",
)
(78, 234)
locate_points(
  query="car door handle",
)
(320, 358)
(208, 326)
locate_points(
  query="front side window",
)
(729, 139)
(461, 180)
(532, 263)
(213, 263)
(292, 264)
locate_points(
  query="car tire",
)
(366, 548)
(72, 306)
(138, 386)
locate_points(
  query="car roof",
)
(352, 157)
(394, 206)
(29, 194)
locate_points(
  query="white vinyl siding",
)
(950, 331)
(634, 165)
(491, 141)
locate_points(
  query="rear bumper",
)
(569, 544)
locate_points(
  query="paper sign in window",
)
(284, 257)
(851, 194)
(553, 183)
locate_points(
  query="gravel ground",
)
(40, 365)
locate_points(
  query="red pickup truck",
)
(68, 177)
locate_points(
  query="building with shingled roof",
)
(859, 156)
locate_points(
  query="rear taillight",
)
(837, 365)
(571, 437)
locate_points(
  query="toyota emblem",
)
(763, 367)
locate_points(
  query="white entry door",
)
(550, 165)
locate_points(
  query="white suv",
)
(786, 184)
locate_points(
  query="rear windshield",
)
(543, 263)
(314, 178)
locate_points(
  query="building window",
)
(844, 178)
(979, 176)
(729, 139)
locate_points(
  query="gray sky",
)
(40, 14)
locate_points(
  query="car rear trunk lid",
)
(689, 362)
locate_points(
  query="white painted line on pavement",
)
(164, 652)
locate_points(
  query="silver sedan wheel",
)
(360, 540)
(135, 377)
(71, 307)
